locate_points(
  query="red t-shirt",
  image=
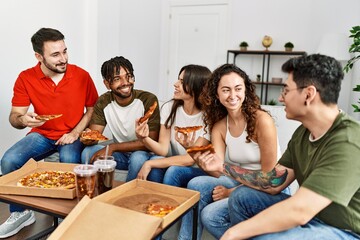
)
(74, 92)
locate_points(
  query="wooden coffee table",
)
(60, 208)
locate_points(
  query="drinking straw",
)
(106, 151)
(86, 158)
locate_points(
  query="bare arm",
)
(130, 146)
(19, 118)
(159, 147)
(179, 160)
(294, 211)
(72, 136)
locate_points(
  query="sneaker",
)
(16, 222)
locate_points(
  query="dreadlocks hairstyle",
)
(114, 64)
(214, 111)
(195, 77)
(323, 72)
(44, 35)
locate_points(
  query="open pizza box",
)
(93, 220)
(139, 193)
(113, 212)
(8, 182)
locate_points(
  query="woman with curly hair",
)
(240, 127)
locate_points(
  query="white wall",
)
(97, 30)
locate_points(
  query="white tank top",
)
(242, 153)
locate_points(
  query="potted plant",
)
(354, 48)
(272, 102)
(243, 46)
(289, 46)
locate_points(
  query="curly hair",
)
(214, 111)
(324, 72)
(195, 77)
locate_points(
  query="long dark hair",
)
(214, 111)
(195, 77)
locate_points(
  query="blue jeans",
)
(36, 146)
(246, 202)
(179, 176)
(215, 217)
(205, 185)
(131, 161)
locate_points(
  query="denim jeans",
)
(205, 185)
(215, 217)
(131, 161)
(36, 146)
(179, 176)
(245, 202)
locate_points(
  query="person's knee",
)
(241, 194)
(198, 183)
(10, 162)
(137, 159)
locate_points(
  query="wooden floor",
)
(42, 222)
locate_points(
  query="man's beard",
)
(123, 96)
(52, 68)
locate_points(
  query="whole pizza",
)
(49, 179)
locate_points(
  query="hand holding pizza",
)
(141, 130)
(186, 135)
(29, 120)
(206, 158)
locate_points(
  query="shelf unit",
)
(266, 57)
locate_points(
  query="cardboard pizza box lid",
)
(93, 220)
(8, 182)
(184, 197)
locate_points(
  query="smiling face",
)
(54, 58)
(231, 91)
(293, 98)
(122, 84)
(179, 93)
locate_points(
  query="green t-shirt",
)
(330, 166)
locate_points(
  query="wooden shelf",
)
(266, 56)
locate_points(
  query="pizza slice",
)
(186, 130)
(93, 135)
(159, 210)
(46, 117)
(148, 114)
(202, 149)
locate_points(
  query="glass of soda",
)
(105, 173)
(85, 180)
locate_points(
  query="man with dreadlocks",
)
(119, 108)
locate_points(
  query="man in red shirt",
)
(52, 87)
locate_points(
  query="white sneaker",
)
(16, 222)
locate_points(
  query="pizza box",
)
(8, 182)
(144, 190)
(93, 220)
